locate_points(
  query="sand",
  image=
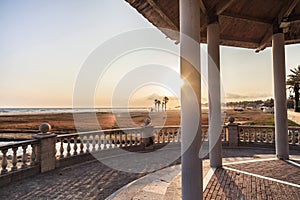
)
(64, 123)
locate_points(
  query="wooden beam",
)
(166, 18)
(247, 18)
(284, 13)
(293, 19)
(287, 10)
(202, 6)
(222, 6)
(235, 39)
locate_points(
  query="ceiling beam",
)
(247, 18)
(166, 18)
(287, 10)
(222, 6)
(202, 6)
(293, 19)
(235, 39)
(284, 13)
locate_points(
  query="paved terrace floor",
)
(248, 173)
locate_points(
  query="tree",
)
(155, 103)
(293, 83)
(158, 104)
(166, 99)
(162, 106)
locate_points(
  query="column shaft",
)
(190, 100)
(214, 93)
(281, 121)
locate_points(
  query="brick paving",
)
(277, 169)
(93, 180)
(227, 184)
(90, 180)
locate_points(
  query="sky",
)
(46, 46)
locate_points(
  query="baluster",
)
(81, 145)
(115, 140)
(126, 138)
(293, 137)
(135, 138)
(168, 135)
(260, 135)
(61, 148)
(104, 141)
(119, 136)
(170, 132)
(256, 135)
(100, 141)
(14, 159)
(273, 136)
(267, 136)
(87, 144)
(75, 145)
(93, 143)
(68, 148)
(110, 140)
(24, 157)
(175, 134)
(163, 137)
(130, 138)
(33, 154)
(4, 161)
(244, 136)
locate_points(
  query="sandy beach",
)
(64, 122)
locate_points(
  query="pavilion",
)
(252, 24)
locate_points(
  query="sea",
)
(28, 111)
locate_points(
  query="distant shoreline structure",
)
(28, 111)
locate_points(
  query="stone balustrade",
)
(18, 155)
(265, 134)
(49, 151)
(86, 142)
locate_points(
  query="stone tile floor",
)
(93, 180)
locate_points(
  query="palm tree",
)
(155, 103)
(158, 104)
(166, 99)
(162, 106)
(293, 83)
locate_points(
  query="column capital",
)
(212, 18)
(277, 29)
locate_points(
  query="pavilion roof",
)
(243, 23)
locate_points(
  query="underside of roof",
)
(243, 23)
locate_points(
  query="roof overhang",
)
(243, 23)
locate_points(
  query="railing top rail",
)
(100, 131)
(160, 127)
(124, 130)
(255, 126)
(18, 144)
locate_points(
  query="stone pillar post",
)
(46, 149)
(281, 121)
(147, 137)
(233, 133)
(192, 182)
(214, 93)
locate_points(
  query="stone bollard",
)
(46, 149)
(233, 133)
(147, 138)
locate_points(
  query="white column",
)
(214, 93)
(281, 121)
(190, 100)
